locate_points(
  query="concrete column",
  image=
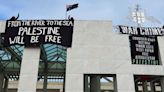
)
(29, 70)
(162, 84)
(95, 84)
(2, 26)
(144, 85)
(1, 81)
(86, 83)
(152, 86)
(6, 85)
(125, 83)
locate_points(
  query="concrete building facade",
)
(97, 50)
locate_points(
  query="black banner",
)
(144, 50)
(36, 32)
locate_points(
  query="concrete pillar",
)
(2, 26)
(29, 70)
(1, 81)
(152, 87)
(95, 84)
(86, 83)
(6, 85)
(144, 86)
(162, 84)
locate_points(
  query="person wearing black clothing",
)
(13, 18)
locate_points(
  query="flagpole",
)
(66, 14)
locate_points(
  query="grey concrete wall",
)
(2, 26)
(96, 49)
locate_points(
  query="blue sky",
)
(115, 10)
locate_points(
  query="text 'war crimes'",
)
(156, 31)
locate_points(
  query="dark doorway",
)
(100, 83)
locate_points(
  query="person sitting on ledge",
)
(70, 18)
(13, 18)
